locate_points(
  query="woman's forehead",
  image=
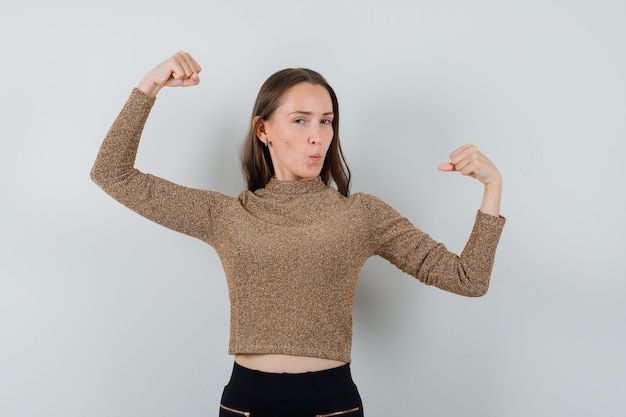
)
(307, 98)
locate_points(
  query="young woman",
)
(292, 245)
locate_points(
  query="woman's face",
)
(299, 132)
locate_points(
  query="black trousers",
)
(312, 394)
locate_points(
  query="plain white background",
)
(103, 313)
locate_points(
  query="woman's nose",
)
(315, 135)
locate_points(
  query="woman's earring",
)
(265, 143)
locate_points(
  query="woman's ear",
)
(259, 125)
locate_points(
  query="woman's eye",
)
(326, 122)
(299, 121)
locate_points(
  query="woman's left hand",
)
(468, 160)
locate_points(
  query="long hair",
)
(256, 161)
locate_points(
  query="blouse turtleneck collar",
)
(314, 185)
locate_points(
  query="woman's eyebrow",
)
(308, 113)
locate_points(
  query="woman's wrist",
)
(491, 198)
(149, 87)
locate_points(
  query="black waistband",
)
(276, 385)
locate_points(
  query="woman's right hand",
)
(180, 70)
